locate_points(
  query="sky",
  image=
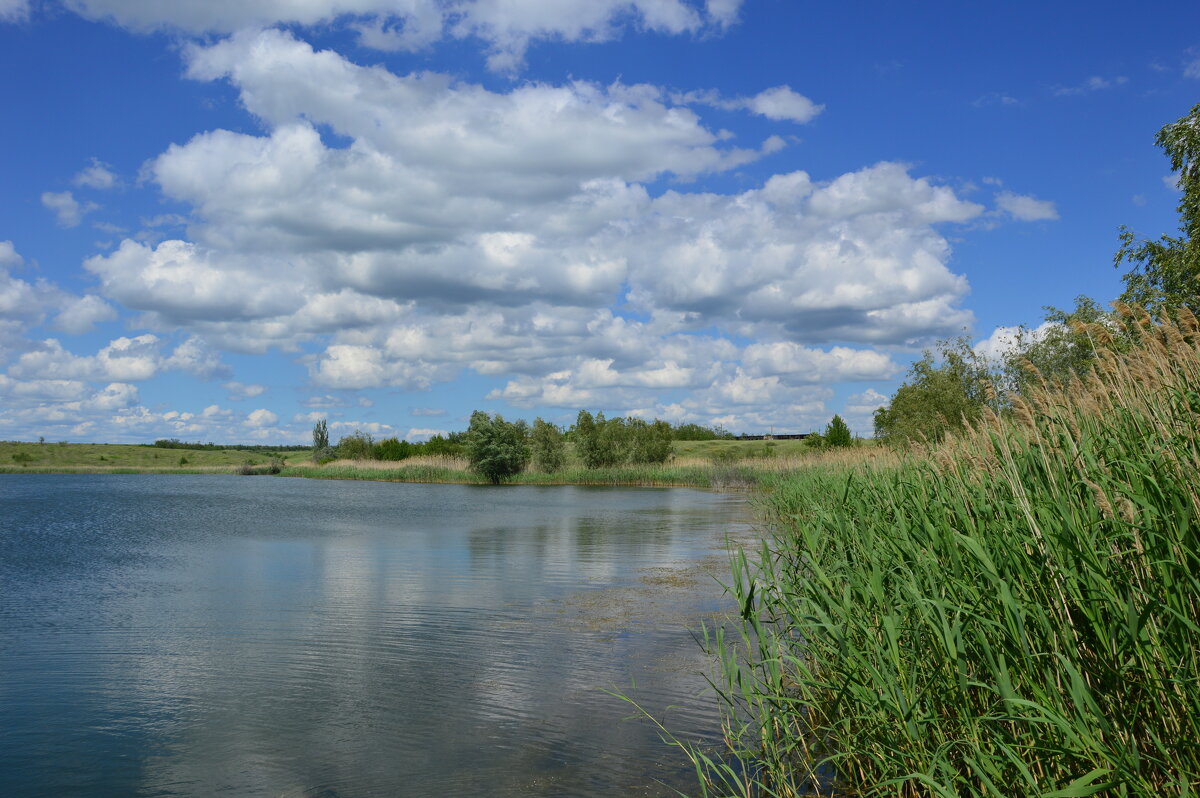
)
(221, 220)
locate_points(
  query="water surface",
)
(172, 635)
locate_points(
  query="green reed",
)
(1014, 614)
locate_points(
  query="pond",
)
(175, 635)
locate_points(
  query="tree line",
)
(498, 449)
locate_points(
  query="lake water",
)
(166, 635)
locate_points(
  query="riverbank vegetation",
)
(101, 458)
(1010, 608)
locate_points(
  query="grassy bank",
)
(705, 464)
(1014, 614)
(746, 471)
(103, 458)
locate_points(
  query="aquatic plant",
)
(1012, 613)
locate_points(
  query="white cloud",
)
(420, 435)
(800, 364)
(373, 428)
(1092, 84)
(1004, 339)
(122, 360)
(506, 26)
(865, 403)
(466, 229)
(261, 418)
(81, 314)
(9, 255)
(778, 103)
(196, 357)
(426, 411)
(240, 390)
(14, 10)
(783, 103)
(1192, 69)
(859, 411)
(68, 211)
(98, 175)
(1026, 208)
(1172, 183)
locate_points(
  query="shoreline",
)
(717, 478)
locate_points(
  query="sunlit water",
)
(243, 636)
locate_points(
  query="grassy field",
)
(105, 457)
(1013, 614)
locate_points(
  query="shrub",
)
(937, 397)
(586, 435)
(549, 450)
(497, 449)
(648, 443)
(358, 446)
(837, 433)
(393, 449)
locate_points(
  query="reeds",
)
(1016, 613)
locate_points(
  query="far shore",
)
(736, 466)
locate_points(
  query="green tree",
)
(696, 432)
(392, 449)
(614, 441)
(586, 437)
(1166, 273)
(357, 446)
(1064, 347)
(937, 397)
(497, 449)
(452, 445)
(837, 433)
(648, 442)
(549, 449)
(320, 437)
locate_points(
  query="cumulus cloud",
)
(1026, 208)
(123, 359)
(9, 255)
(71, 409)
(778, 103)
(1004, 339)
(240, 390)
(22, 303)
(456, 228)
(261, 418)
(506, 26)
(98, 175)
(81, 314)
(422, 434)
(68, 211)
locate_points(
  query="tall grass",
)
(1017, 614)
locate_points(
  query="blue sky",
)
(222, 220)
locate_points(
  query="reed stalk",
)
(1015, 613)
